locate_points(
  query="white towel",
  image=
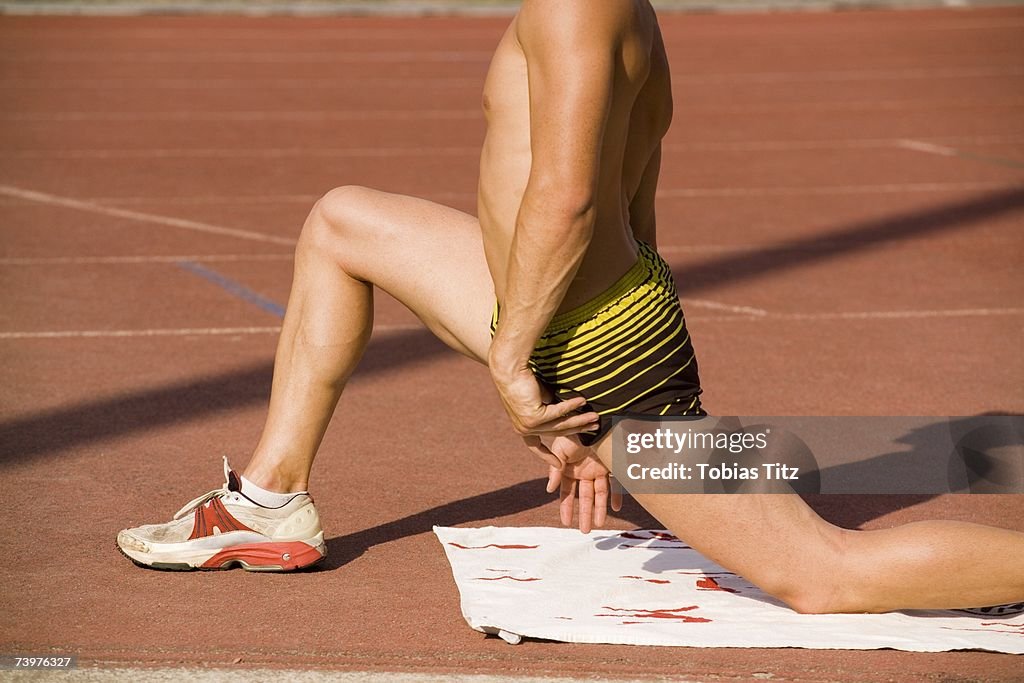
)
(649, 588)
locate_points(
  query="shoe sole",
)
(284, 556)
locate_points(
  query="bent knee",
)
(340, 209)
(336, 218)
(809, 598)
(818, 583)
(343, 205)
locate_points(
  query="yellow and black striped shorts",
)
(627, 351)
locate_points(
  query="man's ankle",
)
(273, 480)
(265, 497)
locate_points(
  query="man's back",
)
(554, 46)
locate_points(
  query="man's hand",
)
(585, 471)
(530, 406)
(596, 490)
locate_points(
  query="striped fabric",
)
(627, 351)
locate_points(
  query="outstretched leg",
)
(780, 544)
(429, 257)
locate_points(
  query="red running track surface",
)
(842, 201)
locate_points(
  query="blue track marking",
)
(235, 288)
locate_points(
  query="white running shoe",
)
(225, 528)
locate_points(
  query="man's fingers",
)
(576, 424)
(565, 426)
(554, 479)
(586, 496)
(567, 406)
(550, 412)
(568, 498)
(600, 501)
(616, 494)
(566, 410)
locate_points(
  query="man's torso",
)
(639, 114)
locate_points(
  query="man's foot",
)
(224, 528)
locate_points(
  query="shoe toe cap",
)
(128, 541)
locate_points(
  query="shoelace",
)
(200, 500)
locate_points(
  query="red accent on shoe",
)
(299, 555)
(214, 514)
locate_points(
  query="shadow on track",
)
(499, 503)
(24, 439)
(850, 239)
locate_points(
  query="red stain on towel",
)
(656, 614)
(649, 581)
(709, 584)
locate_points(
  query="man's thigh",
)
(763, 537)
(428, 256)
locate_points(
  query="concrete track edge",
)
(195, 675)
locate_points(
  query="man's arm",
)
(570, 48)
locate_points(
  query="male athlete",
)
(586, 323)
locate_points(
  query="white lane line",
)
(741, 314)
(90, 260)
(156, 332)
(236, 153)
(870, 315)
(850, 75)
(476, 114)
(926, 147)
(941, 150)
(962, 25)
(898, 315)
(209, 199)
(719, 306)
(667, 193)
(427, 151)
(178, 332)
(479, 56)
(241, 83)
(247, 57)
(274, 116)
(223, 34)
(90, 207)
(789, 191)
(125, 673)
(888, 188)
(855, 143)
(849, 106)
